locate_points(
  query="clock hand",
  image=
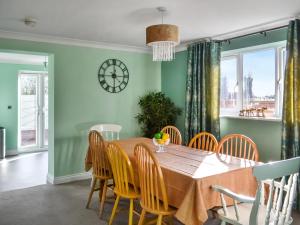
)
(114, 82)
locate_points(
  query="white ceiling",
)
(124, 21)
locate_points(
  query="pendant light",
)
(162, 38)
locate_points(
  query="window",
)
(229, 85)
(252, 78)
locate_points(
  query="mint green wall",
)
(9, 97)
(80, 102)
(173, 83)
(266, 134)
(77, 101)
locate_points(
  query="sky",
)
(261, 64)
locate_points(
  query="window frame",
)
(280, 52)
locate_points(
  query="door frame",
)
(51, 125)
(40, 117)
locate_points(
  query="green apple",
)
(157, 136)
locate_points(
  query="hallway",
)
(23, 171)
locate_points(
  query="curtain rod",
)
(236, 37)
(254, 33)
(281, 23)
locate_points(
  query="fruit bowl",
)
(160, 143)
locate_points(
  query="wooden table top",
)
(191, 162)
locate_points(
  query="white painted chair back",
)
(275, 208)
(108, 131)
(280, 178)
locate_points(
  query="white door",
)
(33, 111)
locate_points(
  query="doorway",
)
(26, 81)
(33, 111)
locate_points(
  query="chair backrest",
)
(151, 180)
(281, 178)
(121, 168)
(101, 165)
(238, 145)
(174, 133)
(109, 131)
(204, 141)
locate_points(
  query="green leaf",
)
(157, 111)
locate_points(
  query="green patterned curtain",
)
(291, 99)
(203, 89)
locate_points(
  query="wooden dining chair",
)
(204, 141)
(174, 133)
(101, 168)
(275, 208)
(154, 197)
(238, 145)
(124, 179)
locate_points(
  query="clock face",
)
(113, 75)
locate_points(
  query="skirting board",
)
(11, 152)
(68, 178)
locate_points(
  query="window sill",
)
(270, 119)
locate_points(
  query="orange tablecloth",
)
(189, 174)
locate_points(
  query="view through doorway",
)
(24, 115)
(33, 111)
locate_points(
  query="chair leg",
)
(113, 213)
(91, 192)
(142, 218)
(130, 212)
(101, 184)
(92, 181)
(159, 220)
(104, 189)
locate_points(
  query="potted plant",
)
(157, 111)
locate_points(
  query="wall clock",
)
(113, 75)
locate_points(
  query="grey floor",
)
(58, 205)
(55, 204)
(24, 170)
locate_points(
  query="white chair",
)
(108, 131)
(280, 179)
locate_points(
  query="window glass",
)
(259, 80)
(229, 88)
(253, 79)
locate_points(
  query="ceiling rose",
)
(162, 38)
(30, 21)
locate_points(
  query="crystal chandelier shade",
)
(163, 50)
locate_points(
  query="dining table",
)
(189, 174)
